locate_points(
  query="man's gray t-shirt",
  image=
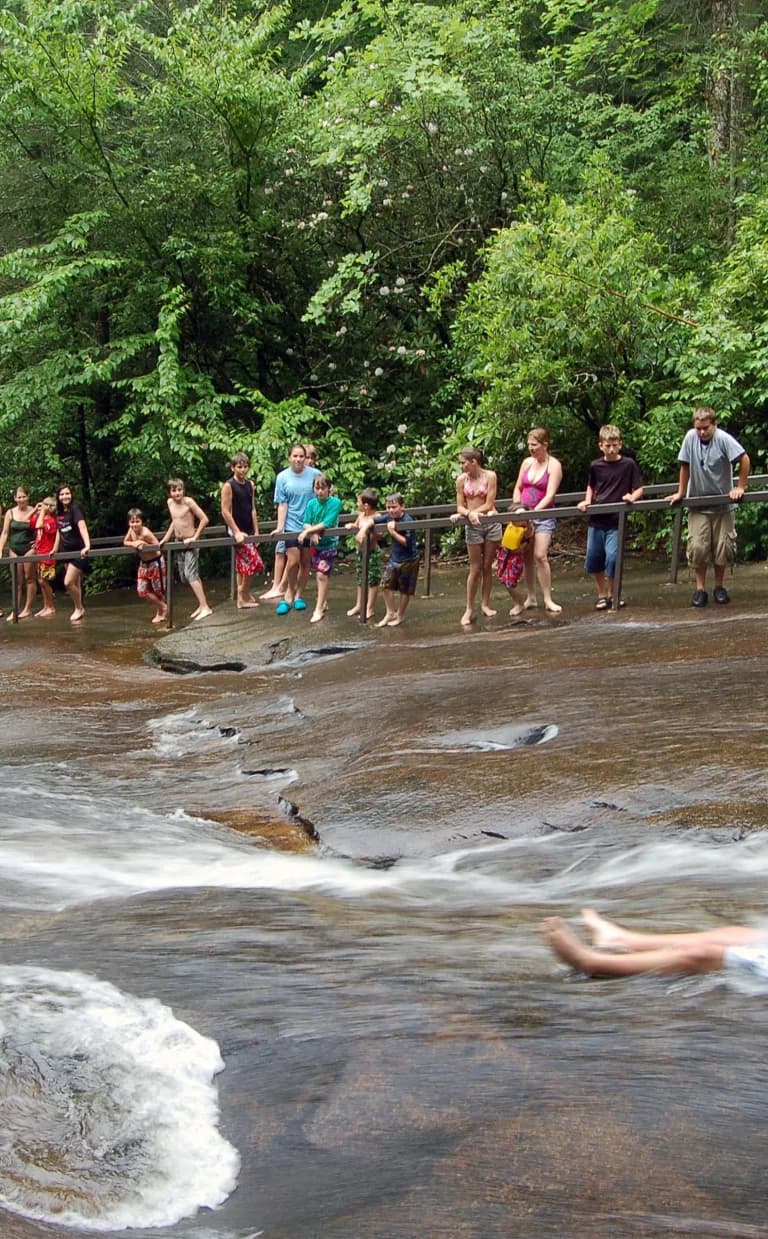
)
(711, 464)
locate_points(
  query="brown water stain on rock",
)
(714, 815)
(284, 834)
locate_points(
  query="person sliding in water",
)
(620, 952)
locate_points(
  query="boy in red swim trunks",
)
(150, 583)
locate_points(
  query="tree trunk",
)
(724, 102)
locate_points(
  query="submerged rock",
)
(188, 666)
(232, 640)
(495, 739)
(292, 813)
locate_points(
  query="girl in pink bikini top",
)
(476, 488)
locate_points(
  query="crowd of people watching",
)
(308, 513)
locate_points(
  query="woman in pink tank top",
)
(537, 484)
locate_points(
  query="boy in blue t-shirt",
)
(401, 573)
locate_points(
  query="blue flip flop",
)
(283, 608)
(300, 605)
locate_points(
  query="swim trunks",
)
(188, 566)
(323, 559)
(248, 561)
(401, 578)
(510, 566)
(151, 578)
(752, 959)
(374, 566)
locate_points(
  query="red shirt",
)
(45, 537)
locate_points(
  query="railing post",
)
(619, 571)
(427, 562)
(14, 592)
(169, 592)
(365, 553)
(677, 535)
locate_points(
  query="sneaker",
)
(299, 605)
(283, 608)
(699, 599)
(721, 594)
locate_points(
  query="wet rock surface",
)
(404, 1057)
(232, 640)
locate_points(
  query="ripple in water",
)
(185, 733)
(493, 740)
(109, 1108)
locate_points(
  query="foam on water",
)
(78, 848)
(177, 735)
(110, 1110)
(490, 740)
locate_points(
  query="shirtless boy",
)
(150, 583)
(188, 520)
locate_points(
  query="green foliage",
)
(570, 323)
(724, 361)
(402, 226)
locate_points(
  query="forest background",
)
(389, 228)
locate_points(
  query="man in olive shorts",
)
(707, 457)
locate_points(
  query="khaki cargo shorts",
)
(711, 538)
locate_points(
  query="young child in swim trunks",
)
(188, 520)
(510, 564)
(620, 952)
(150, 583)
(402, 571)
(368, 516)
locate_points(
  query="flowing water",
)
(401, 1055)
